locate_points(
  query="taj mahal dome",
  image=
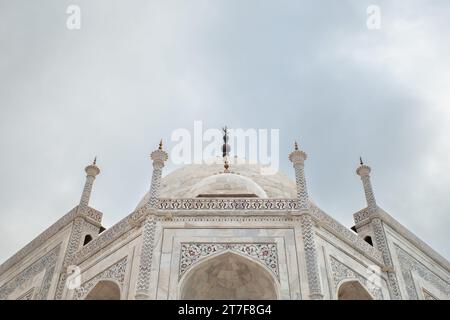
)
(226, 231)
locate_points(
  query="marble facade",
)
(277, 244)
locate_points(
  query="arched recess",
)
(87, 239)
(104, 290)
(228, 276)
(368, 239)
(353, 290)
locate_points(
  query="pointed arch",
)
(353, 290)
(228, 276)
(368, 239)
(104, 290)
(87, 239)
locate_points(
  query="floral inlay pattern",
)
(266, 253)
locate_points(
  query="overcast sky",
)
(137, 70)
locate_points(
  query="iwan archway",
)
(104, 290)
(228, 276)
(353, 290)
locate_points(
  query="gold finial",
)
(160, 145)
(95, 161)
(296, 146)
(226, 166)
(225, 149)
(361, 161)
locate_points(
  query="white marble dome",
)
(208, 180)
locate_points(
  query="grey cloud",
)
(138, 70)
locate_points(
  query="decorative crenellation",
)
(341, 272)
(193, 252)
(228, 204)
(93, 214)
(360, 216)
(312, 267)
(409, 264)
(47, 263)
(114, 272)
(145, 263)
(381, 242)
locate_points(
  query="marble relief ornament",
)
(114, 272)
(147, 246)
(428, 296)
(408, 264)
(47, 263)
(27, 295)
(227, 204)
(341, 272)
(381, 242)
(265, 253)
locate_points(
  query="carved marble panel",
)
(409, 264)
(428, 296)
(27, 295)
(114, 272)
(266, 253)
(47, 263)
(342, 272)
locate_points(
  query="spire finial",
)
(226, 165)
(160, 145)
(296, 145)
(361, 162)
(225, 148)
(95, 161)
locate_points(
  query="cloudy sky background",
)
(137, 70)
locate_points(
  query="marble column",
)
(378, 230)
(148, 235)
(298, 157)
(91, 172)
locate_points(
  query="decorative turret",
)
(158, 156)
(364, 172)
(91, 172)
(298, 157)
(375, 232)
